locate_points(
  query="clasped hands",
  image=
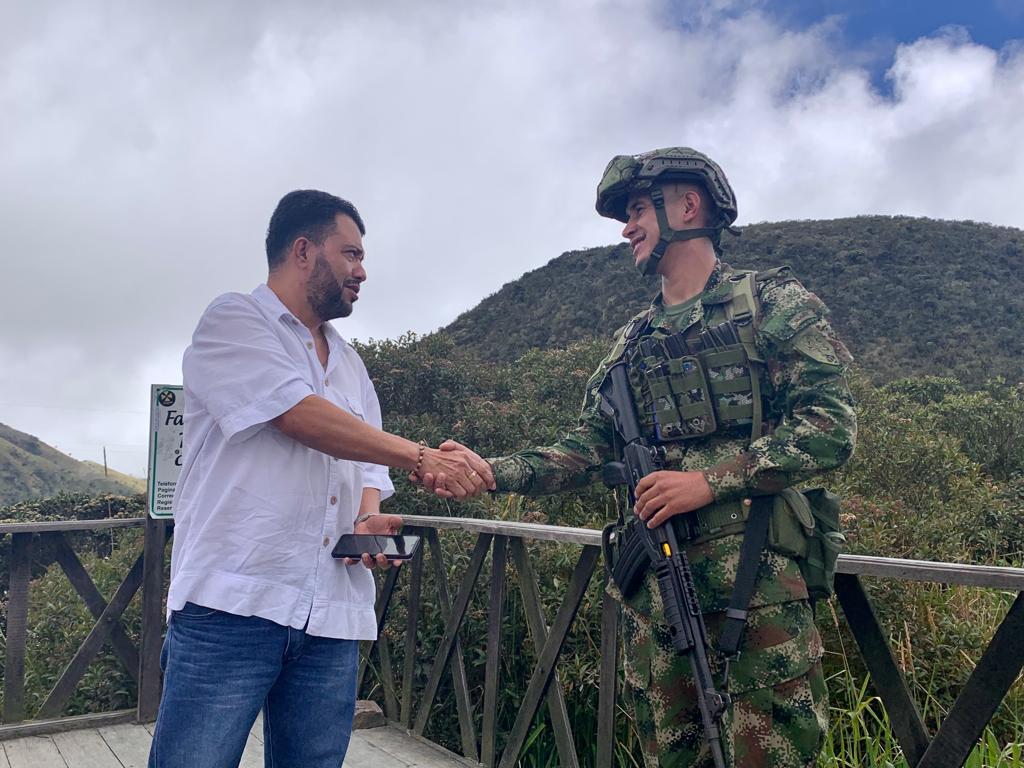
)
(463, 474)
(453, 471)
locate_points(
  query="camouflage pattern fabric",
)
(779, 712)
(780, 706)
(806, 400)
(626, 173)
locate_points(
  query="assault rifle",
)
(675, 579)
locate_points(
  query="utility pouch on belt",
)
(805, 525)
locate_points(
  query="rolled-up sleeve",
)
(239, 370)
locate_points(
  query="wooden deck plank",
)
(33, 752)
(256, 732)
(127, 746)
(84, 749)
(414, 750)
(129, 743)
(363, 754)
(252, 755)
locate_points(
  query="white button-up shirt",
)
(256, 513)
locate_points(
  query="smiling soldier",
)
(738, 383)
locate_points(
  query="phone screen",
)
(392, 547)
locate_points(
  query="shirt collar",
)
(268, 298)
(265, 296)
(715, 290)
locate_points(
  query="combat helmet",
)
(647, 173)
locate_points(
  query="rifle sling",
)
(754, 541)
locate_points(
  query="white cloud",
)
(144, 146)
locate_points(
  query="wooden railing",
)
(995, 672)
(502, 541)
(505, 543)
(142, 666)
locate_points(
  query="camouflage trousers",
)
(779, 711)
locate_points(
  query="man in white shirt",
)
(283, 453)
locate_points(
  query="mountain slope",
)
(909, 296)
(29, 468)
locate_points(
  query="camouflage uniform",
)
(779, 710)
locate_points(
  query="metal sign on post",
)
(166, 428)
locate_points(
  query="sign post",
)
(166, 428)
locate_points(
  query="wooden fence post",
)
(150, 676)
(17, 619)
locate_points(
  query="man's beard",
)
(325, 294)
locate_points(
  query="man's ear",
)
(691, 202)
(301, 252)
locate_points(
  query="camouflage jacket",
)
(806, 404)
(811, 428)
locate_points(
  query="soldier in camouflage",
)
(763, 416)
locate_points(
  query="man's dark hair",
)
(305, 213)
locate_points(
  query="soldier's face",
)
(641, 228)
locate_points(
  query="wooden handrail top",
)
(49, 526)
(997, 577)
(565, 534)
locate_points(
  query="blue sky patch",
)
(872, 29)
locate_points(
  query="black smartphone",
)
(353, 545)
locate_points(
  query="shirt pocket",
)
(350, 404)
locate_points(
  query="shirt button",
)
(327, 541)
(334, 499)
(326, 383)
(309, 345)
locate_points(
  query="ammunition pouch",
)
(687, 393)
(805, 525)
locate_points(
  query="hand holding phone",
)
(394, 548)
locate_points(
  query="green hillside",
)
(910, 296)
(29, 468)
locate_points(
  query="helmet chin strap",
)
(669, 235)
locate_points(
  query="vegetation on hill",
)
(909, 296)
(30, 469)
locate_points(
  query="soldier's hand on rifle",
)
(665, 493)
(478, 473)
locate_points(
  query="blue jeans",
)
(221, 669)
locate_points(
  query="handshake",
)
(453, 471)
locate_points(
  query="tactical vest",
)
(705, 379)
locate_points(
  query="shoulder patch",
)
(788, 309)
(817, 347)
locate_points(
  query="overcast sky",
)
(143, 147)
